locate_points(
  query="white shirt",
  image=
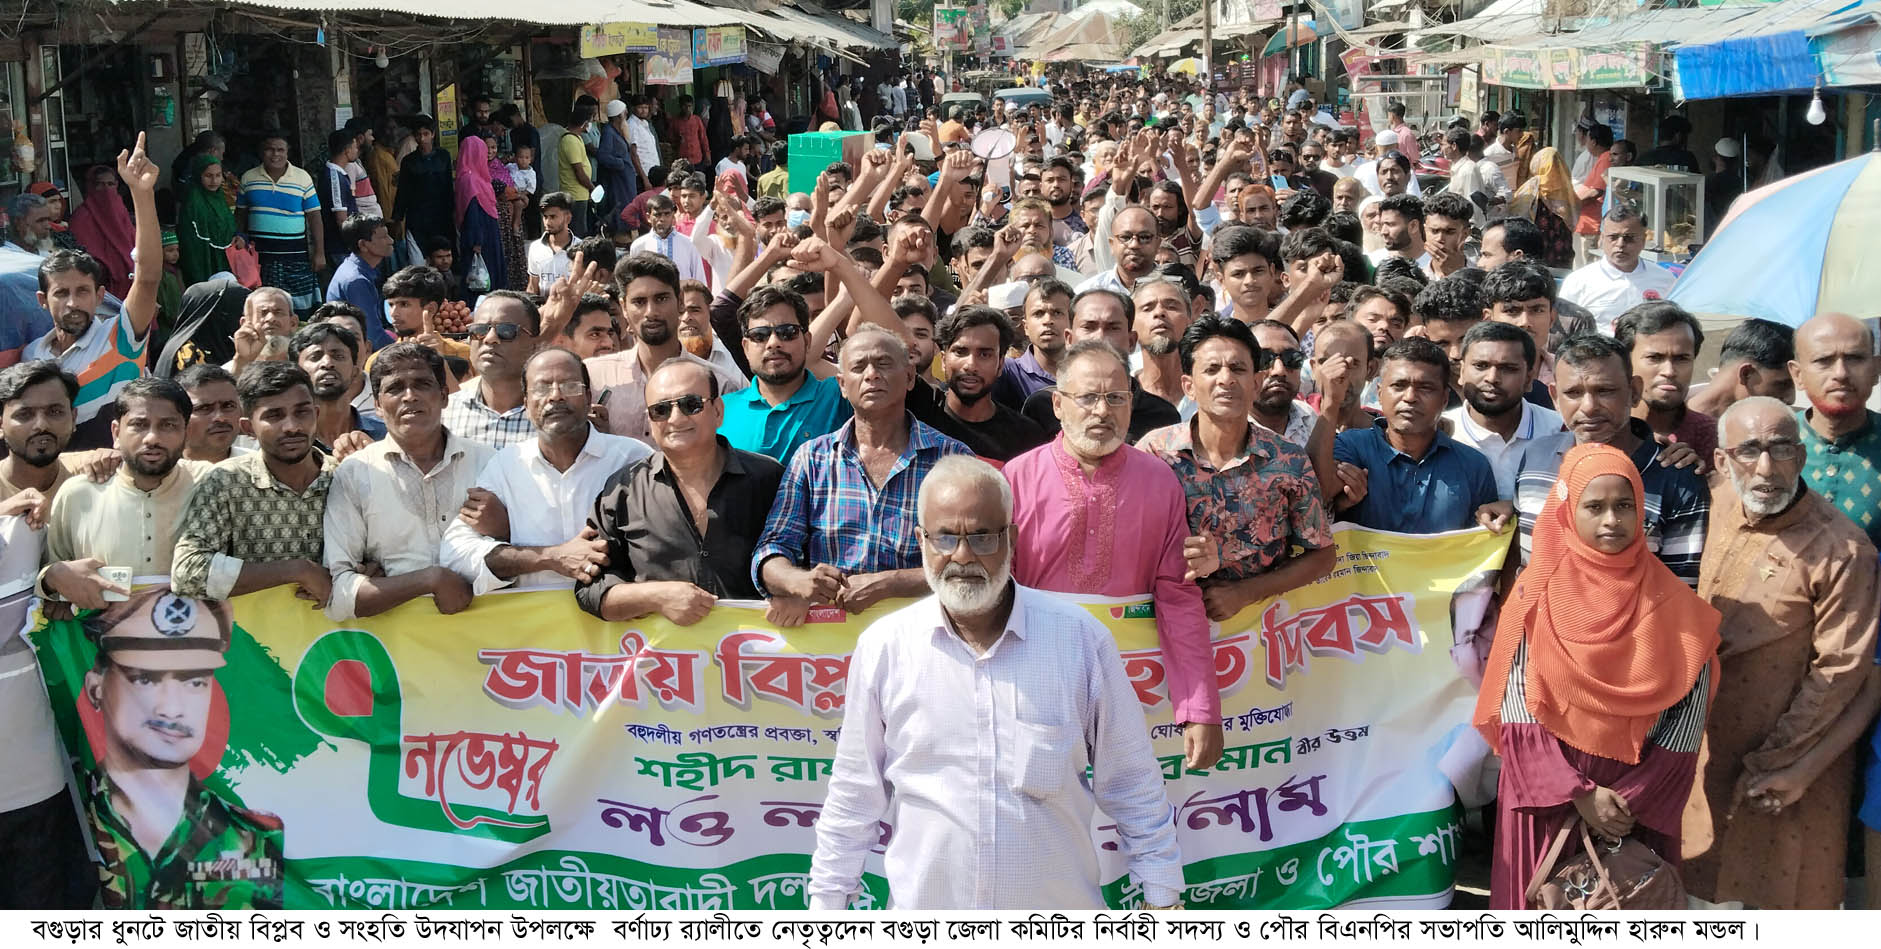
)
(1377, 256)
(675, 247)
(986, 756)
(523, 178)
(1300, 421)
(1106, 279)
(726, 164)
(381, 509)
(548, 263)
(1605, 292)
(647, 145)
(1501, 157)
(546, 506)
(1505, 457)
(29, 744)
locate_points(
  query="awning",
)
(1294, 34)
(1502, 20)
(814, 26)
(1168, 42)
(1780, 49)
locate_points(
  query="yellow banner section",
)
(612, 39)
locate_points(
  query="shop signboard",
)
(1560, 65)
(1618, 68)
(670, 64)
(1521, 68)
(717, 46)
(612, 39)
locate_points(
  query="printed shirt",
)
(754, 424)
(278, 208)
(382, 509)
(1844, 472)
(105, 360)
(468, 416)
(546, 506)
(978, 762)
(217, 857)
(1261, 507)
(547, 263)
(1301, 419)
(241, 513)
(1678, 503)
(828, 511)
(119, 522)
(1438, 492)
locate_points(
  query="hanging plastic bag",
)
(244, 263)
(478, 278)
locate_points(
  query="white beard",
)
(968, 596)
(1756, 505)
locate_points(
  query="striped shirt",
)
(1677, 502)
(828, 511)
(1680, 728)
(277, 208)
(105, 359)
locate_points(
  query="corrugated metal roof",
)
(567, 13)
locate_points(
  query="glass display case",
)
(1672, 203)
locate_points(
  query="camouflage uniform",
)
(217, 857)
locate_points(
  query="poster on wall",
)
(717, 46)
(447, 118)
(764, 58)
(612, 39)
(670, 63)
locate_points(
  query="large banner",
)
(525, 755)
(671, 63)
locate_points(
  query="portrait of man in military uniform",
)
(168, 841)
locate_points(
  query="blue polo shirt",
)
(752, 424)
(354, 282)
(1439, 492)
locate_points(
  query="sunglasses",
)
(504, 331)
(1290, 358)
(762, 334)
(688, 405)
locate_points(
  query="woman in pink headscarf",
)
(478, 234)
(103, 228)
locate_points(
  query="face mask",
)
(796, 218)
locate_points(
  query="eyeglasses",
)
(1749, 453)
(1140, 237)
(546, 390)
(1290, 358)
(504, 331)
(785, 332)
(980, 543)
(688, 405)
(1089, 401)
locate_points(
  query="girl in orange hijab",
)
(1597, 687)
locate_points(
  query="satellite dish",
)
(994, 144)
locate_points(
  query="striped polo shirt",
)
(104, 360)
(278, 208)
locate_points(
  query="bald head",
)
(1835, 364)
(1757, 413)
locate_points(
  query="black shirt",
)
(651, 536)
(1005, 436)
(1148, 412)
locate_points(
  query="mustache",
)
(172, 728)
(961, 571)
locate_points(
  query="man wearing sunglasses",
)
(681, 525)
(1278, 360)
(542, 489)
(1097, 517)
(986, 814)
(502, 335)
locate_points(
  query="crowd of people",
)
(1185, 334)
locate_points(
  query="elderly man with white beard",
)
(1796, 583)
(970, 720)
